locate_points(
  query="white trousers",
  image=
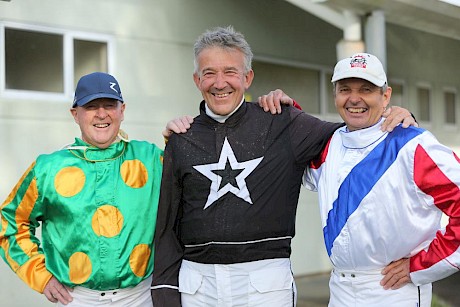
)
(362, 288)
(138, 296)
(263, 283)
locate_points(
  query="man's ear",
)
(387, 97)
(196, 79)
(123, 106)
(248, 79)
(73, 111)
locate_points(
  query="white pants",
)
(362, 288)
(267, 283)
(138, 296)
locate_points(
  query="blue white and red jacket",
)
(382, 196)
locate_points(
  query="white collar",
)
(362, 138)
(221, 118)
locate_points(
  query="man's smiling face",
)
(99, 121)
(360, 103)
(222, 79)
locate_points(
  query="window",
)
(397, 94)
(330, 95)
(300, 83)
(424, 103)
(450, 107)
(33, 61)
(49, 62)
(88, 57)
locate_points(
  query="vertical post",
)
(352, 37)
(375, 36)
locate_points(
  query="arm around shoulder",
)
(168, 249)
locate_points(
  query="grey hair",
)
(226, 38)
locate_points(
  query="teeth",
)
(221, 95)
(101, 125)
(356, 110)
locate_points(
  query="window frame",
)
(451, 126)
(429, 87)
(404, 97)
(68, 60)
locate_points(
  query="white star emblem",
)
(228, 175)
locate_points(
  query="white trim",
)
(2, 58)
(68, 60)
(163, 287)
(31, 95)
(324, 85)
(68, 70)
(453, 2)
(238, 243)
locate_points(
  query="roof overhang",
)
(430, 16)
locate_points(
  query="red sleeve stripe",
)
(315, 164)
(446, 195)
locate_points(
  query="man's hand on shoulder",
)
(273, 100)
(177, 125)
(394, 116)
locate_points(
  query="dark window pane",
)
(89, 57)
(424, 108)
(34, 61)
(449, 105)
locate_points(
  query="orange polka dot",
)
(69, 181)
(139, 259)
(80, 268)
(107, 221)
(134, 173)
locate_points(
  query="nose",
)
(101, 112)
(354, 96)
(220, 81)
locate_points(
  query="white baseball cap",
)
(363, 66)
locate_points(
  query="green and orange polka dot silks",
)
(98, 210)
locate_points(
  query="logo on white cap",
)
(358, 61)
(362, 66)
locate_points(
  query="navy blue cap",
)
(96, 85)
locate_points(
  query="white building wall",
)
(153, 57)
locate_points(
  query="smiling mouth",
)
(224, 95)
(356, 110)
(101, 125)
